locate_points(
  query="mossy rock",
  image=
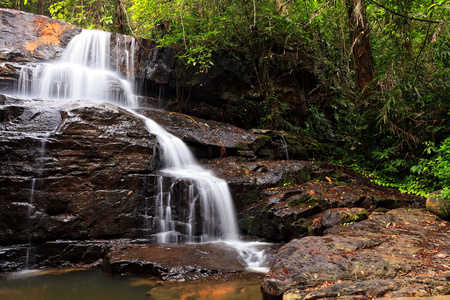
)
(389, 203)
(342, 216)
(356, 215)
(292, 178)
(300, 199)
(438, 204)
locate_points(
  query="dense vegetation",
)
(382, 101)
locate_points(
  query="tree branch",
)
(402, 15)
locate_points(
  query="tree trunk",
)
(40, 7)
(120, 18)
(359, 37)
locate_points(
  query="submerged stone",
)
(175, 262)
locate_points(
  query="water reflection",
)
(74, 284)
(68, 285)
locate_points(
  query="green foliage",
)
(27, 5)
(263, 30)
(108, 15)
(434, 172)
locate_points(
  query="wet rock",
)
(156, 64)
(175, 262)
(373, 258)
(274, 145)
(418, 286)
(281, 215)
(71, 171)
(438, 204)
(205, 137)
(248, 179)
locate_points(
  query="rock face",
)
(404, 252)
(71, 171)
(207, 139)
(29, 38)
(342, 216)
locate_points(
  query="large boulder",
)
(207, 138)
(342, 216)
(281, 200)
(400, 253)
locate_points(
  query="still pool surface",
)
(94, 285)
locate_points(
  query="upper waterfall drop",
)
(84, 71)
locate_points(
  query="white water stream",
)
(85, 72)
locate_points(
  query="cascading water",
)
(284, 146)
(217, 211)
(85, 72)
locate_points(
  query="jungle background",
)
(379, 98)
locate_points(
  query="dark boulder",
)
(438, 204)
(207, 139)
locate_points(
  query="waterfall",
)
(205, 191)
(88, 70)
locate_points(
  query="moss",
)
(261, 141)
(438, 204)
(302, 200)
(239, 146)
(350, 218)
(298, 177)
(251, 224)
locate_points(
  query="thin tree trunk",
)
(40, 7)
(360, 44)
(120, 20)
